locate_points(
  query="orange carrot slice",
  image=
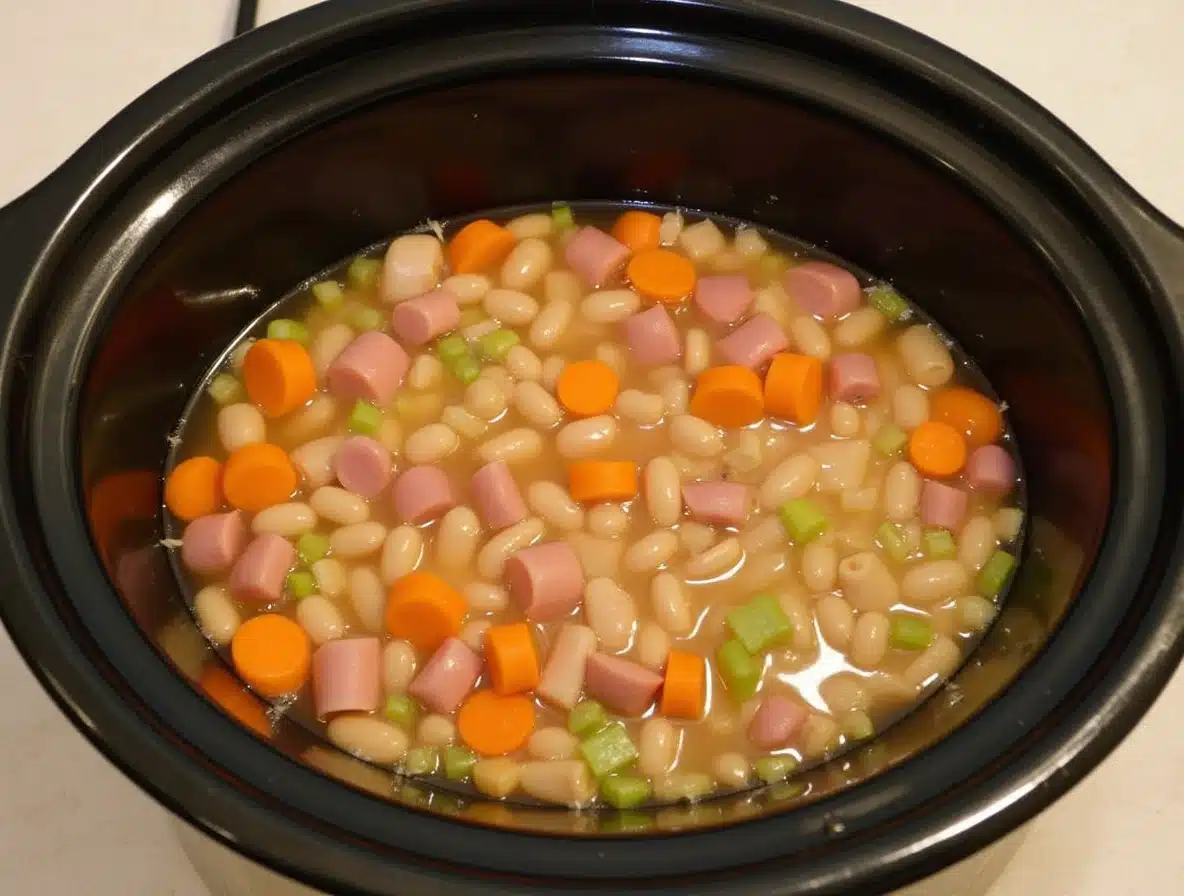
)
(494, 725)
(424, 609)
(661, 275)
(194, 488)
(638, 230)
(974, 415)
(793, 388)
(511, 657)
(587, 388)
(590, 481)
(729, 395)
(684, 689)
(257, 476)
(232, 698)
(937, 449)
(279, 376)
(478, 246)
(272, 654)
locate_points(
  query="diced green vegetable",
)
(364, 418)
(363, 317)
(328, 293)
(624, 791)
(283, 328)
(772, 769)
(301, 583)
(857, 725)
(465, 369)
(608, 750)
(939, 544)
(452, 347)
(626, 822)
(786, 790)
(412, 795)
(225, 389)
(992, 578)
(495, 345)
(907, 631)
(891, 542)
(401, 710)
(760, 623)
(421, 761)
(802, 519)
(311, 547)
(561, 214)
(363, 273)
(890, 440)
(586, 717)
(458, 763)
(738, 668)
(976, 612)
(470, 317)
(888, 302)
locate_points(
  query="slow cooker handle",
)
(1162, 239)
(22, 235)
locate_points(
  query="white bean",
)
(805, 636)
(695, 437)
(328, 344)
(491, 559)
(676, 395)
(689, 786)
(240, 424)
(609, 306)
(331, 576)
(697, 355)
(339, 506)
(975, 613)
(537, 405)
(289, 519)
(662, 487)
(610, 612)
(842, 465)
(473, 634)
(701, 240)
(239, 355)
(855, 500)
(613, 355)
(431, 444)
(368, 597)
(320, 618)
(820, 735)
(744, 451)
(310, 421)
(608, 520)
(790, 479)
(586, 438)
(867, 583)
(527, 264)
(457, 538)
(937, 663)
(463, 422)
(523, 364)
(314, 460)
(766, 534)
(411, 266)
(716, 561)
(390, 435)
(368, 738)
(468, 288)
(844, 420)
(672, 608)
(1009, 521)
(642, 408)
(819, 565)
(552, 502)
(548, 328)
(485, 399)
(845, 692)
(565, 782)
(398, 666)
(976, 542)
(485, 598)
(401, 553)
(653, 646)
(694, 537)
(810, 337)
(552, 743)
(476, 331)
(358, 540)
(600, 557)
(902, 491)
(435, 731)
(497, 777)
(670, 228)
(563, 285)
(652, 551)
(511, 307)
(657, 746)
(935, 581)
(762, 570)
(217, 615)
(515, 446)
(731, 770)
(910, 407)
(551, 370)
(925, 357)
(426, 373)
(531, 226)
(859, 327)
(869, 640)
(836, 620)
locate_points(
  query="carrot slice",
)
(279, 376)
(511, 657)
(684, 690)
(257, 476)
(729, 395)
(478, 246)
(793, 388)
(974, 415)
(661, 275)
(272, 654)
(638, 230)
(235, 700)
(937, 449)
(425, 610)
(194, 488)
(587, 388)
(494, 725)
(602, 480)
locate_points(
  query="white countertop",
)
(70, 824)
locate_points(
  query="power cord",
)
(244, 18)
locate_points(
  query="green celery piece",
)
(624, 791)
(760, 623)
(772, 769)
(364, 418)
(452, 347)
(362, 273)
(890, 540)
(458, 763)
(311, 547)
(608, 750)
(496, 345)
(301, 584)
(939, 544)
(562, 215)
(890, 440)
(284, 328)
(225, 389)
(738, 668)
(888, 302)
(586, 717)
(401, 710)
(907, 631)
(992, 578)
(328, 293)
(465, 369)
(802, 519)
(421, 761)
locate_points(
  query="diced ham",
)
(942, 505)
(211, 543)
(346, 676)
(853, 378)
(546, 580)
(822, 289)
(496, 494)
(990, 468)
(362, 465)
(411, 267)
(420, 320)
(371, 367)
(753, 342)
(652, 337)
(422, 494)
(449, 675)
(258, 575)
(716, 503)
(621, 685)
(562, 680)
(723, 298)
(776, 722)
(595, 256)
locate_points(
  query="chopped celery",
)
(888, 302)
(939, 544)
(225, 389)
(586, 717)
(561, 214)
(365, 418)
(328, 293)
(452, 347)
(772, 769)
(976, 612)
(738, 668)
(891, 542)
(421, 761)
(495, 345)
(907, 631)
(992, 578)
(760, 623)
(363, 273)
(857, 725)
(363, 317)
(624, 791)
(626, 822)
(802, 519)
(890, 440)
(311, 547)
(301, 584)
(465, 369)
(786, 790)
(608, 750)
(283, 328)
(458, 763)
(401, 710)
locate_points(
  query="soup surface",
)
(595, 505)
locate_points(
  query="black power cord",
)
(245, 16)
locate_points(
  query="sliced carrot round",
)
(425, 610)
(279, 376)
(591, 481)
(587, 388)
(272, 654)
(661, 275)
(511, 657)
(729, 395)
(233, 699)
(638, 230)
(974, 415)
(494, 725)
(194, 488)
(793, 388)
(478, 246)
(684, 689)
(937, 449)
(257, 476)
